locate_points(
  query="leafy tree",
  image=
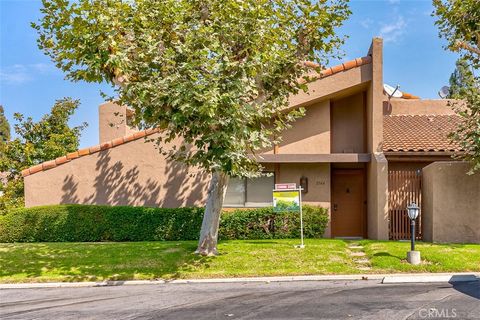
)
(214, 74)
(459, 24)
(36, 142)
(460, 78)
(4, 126)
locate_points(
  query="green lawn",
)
(36, 262)
(389, 256)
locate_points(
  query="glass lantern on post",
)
(413, 211)
(413, 257)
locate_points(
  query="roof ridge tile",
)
(347, 65)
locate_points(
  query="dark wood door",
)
(348, 203)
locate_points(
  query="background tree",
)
(4, 126)
(215, 74)
(460, 79)
(459, 24)
(36, 142)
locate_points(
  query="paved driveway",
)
(286, 300)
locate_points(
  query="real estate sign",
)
(286, 200)
(287, 197)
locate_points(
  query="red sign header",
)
(285, 186)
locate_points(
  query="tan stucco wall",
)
(112, 122)
(450, 203)
(133, 173)
(375, 99)
(377, 197)
(348, 124)
(377, 169)
(413, 107)
(318, 183)
(309, 134)
(392, 165)
(340, 83)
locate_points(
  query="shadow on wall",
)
(114, 184)
(183, 188)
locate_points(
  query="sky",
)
(414, 58)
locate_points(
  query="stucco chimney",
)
(113, 121)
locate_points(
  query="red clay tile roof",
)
(87, 151)
(426, 133)
(335, 69)
(406, 95)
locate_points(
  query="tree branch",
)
(464, 45)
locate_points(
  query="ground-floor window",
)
(250, 192)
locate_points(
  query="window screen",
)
(235, 195)
(254, 192)
(259, 191)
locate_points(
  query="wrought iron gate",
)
(404, 187)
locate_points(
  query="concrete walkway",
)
(356, 251)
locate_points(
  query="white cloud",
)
(366, 23)
(16, 74)
(22, 73)
(392, 32)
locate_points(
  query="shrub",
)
(263, 223)
(84, 223)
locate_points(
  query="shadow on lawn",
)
(98, 261)
(259, 242)
(386, 254)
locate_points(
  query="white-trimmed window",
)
(250, 192)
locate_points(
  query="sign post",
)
(302, 245)
(287, 197)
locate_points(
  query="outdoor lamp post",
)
(413, 256)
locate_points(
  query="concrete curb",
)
(385, 278)
(450, 278)
(346, 277)
(186, 281)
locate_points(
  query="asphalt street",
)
(275, 300)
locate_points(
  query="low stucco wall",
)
(412, 107)
(450, 203)
(133, 173)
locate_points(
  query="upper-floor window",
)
(250, 192)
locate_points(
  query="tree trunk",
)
(207, 244)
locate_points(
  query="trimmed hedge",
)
(87, 223)
(263, 223)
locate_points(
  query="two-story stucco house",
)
(360, 152)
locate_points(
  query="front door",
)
(348, 203)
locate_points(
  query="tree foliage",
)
(36, 142)
(459, 24)
(4, 126)
(461, 77)
(211, 72)
(215, 75)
